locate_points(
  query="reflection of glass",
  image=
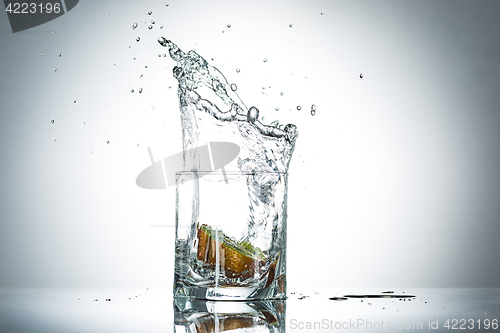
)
(230, 235)
(197, 316)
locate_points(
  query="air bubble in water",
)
(233, 87)
(138, 39)
(134, 26)
(237, 70)
(140, 90)
(150, 27)
(361, 75)
(150, 12)
(52, 121)
(299, 107)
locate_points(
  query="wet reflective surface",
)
(154, 310)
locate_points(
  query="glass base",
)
(276, 291)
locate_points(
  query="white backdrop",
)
(394, 181)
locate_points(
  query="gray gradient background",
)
(394, 183)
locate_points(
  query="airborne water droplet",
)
(150, 27)
(265, 59)
(52, 121)
(161, 27)
(140, 90)
(42, 54)
(153, 22)
(59, 55)
(233, 87)
(282, 94)
(134, 26)
(299, 107)
(74, 101)
(290, 25)
(138, 39)
(107, 142)
(229, 25)
(55, 69)
(313, 107)
(277, 109)
(361, 75)
(322, 13)
(131, 90)
(141, 76)
(237, 70)
(313, 112)
(150, 12)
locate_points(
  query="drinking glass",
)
(230, 235)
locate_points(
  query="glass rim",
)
(229, 173)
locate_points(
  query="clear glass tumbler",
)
(230, 235)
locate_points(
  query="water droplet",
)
(299, 107)
(52, 121)
(277, 108)
(159, 55)
(153, 22)
(313, 112)
(253, 114)
(162, 41)
(169, 87)
(265, 59)
(164, 55)
(237, 70)
(146, 66)
(150, 12)
(141, 76)
(59, 55)
(131, 90)
(107, 142)
(140, 90)
(109, 14)
(166, 5)
(74, 101)
(313, 107)
(134, 26)
(233, 87)
(42, 54)
(281, 94)
(150, 27)
(361, 75)
(161, 27)
(322, 13)
(138, 39)
(55, 69)
(290, 25)
(229, 25)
